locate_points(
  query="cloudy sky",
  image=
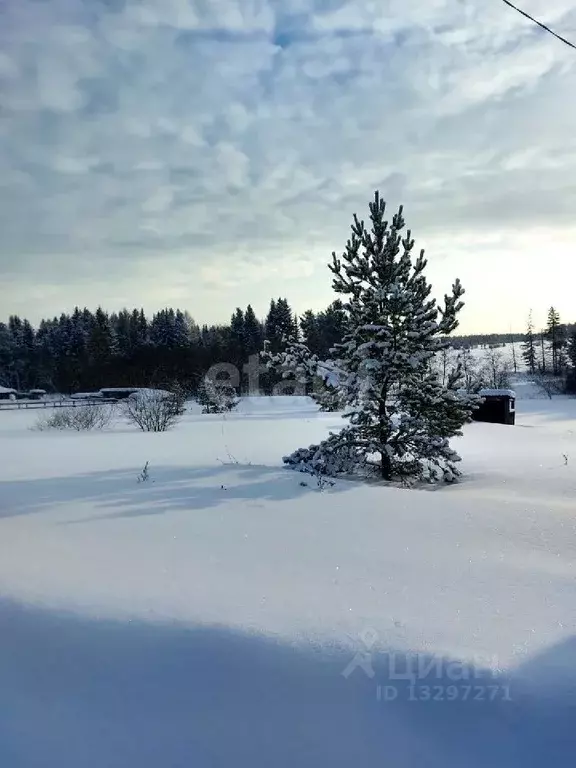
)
(210, 153)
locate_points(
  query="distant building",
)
(86, 396)
(498, 406)
(118, 393)
(7, 394)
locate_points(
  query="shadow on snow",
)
(84, 692)
(168, 489)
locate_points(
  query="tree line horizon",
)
(87, 350)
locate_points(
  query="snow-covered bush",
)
(216, 396)
(81, 418)
(153, 410)
(401, 413)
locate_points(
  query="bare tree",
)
(469, 364)
(495, 371)
(444, 364)
(547, 384)
(514, 361)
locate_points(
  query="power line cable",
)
(540, 24)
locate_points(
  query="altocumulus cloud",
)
(212, 153)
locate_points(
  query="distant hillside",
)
(485, 339)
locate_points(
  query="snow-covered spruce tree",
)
(216, 396)
(556, 333)
(571, 376)
(295, 362)
(326, 390)
(400, 414)
(529, 346)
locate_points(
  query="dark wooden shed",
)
(498, 406)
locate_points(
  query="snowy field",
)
(224, 614)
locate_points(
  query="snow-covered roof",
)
(497, 393)
(7, 391)
(147, 392)
(85, 395)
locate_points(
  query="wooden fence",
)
(18, 405)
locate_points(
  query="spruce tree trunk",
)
(385, 462)
(385, 466)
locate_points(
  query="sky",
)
(207, 154)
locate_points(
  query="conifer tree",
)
(529, 346)
(271, 325)
(312, 376)
(216, 396)
(311, 333)
(332, 326)
(138, 330)
(281, 325)
(571, 379)
(101, 346)
(237, 351)
(122, 330)
(400, 415)
(6, 356)
(253, 336)
(183, 328)
(556, 336)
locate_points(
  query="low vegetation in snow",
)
(80, 418)
(153, 410)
